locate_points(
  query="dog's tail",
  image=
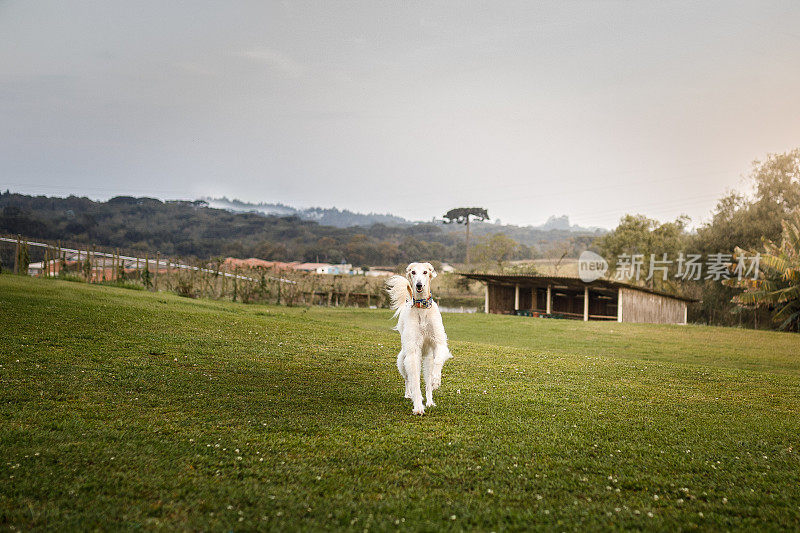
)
(399, 290)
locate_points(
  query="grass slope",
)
(125, 410)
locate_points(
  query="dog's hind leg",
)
(412, 365)
(427, 372)
(401, 367)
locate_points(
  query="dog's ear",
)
(431, 270)
(408, 270)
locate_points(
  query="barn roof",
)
(568, 281)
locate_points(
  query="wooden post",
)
(467, 258)
(94, 262)
(486, 298)
(119, 266)
(155, 277)
(619, 305)
(549, 299)
(16, 257)
(516, 297)
(586, 303)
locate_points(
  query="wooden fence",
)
(207, 279)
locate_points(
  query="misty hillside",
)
(528, 235)
(325, 216)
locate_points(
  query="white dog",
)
(422, 338)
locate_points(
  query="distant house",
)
(343, 269)
(377, 273)
(567, 297)
(232, 263)
(316, 268)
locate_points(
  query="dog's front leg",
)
(427, 373)
(412, 363)
(440, 356)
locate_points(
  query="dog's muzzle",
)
(419, 287)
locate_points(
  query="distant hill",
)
(198, 229)
(528, 235)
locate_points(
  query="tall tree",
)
(496, 251)
(638, 234)
(462, 215)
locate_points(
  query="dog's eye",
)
(425, 272)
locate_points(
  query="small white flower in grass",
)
(452, 517)
(489, 491)
(679, 500)
(650, 514)
(655, 497)
(458, 391)
(700, 514)
(230, 507)
(238, 457)
(725, 501)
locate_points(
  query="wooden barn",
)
(566, 297)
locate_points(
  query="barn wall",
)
(501, 299)
(638, 306)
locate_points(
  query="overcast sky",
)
(590, 109)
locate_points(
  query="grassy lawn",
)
(126, 409)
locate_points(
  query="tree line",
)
(194, 230)
(764, 222)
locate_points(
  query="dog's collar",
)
(422, 303)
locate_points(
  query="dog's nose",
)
(419, 286)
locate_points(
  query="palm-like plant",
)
(777, 286)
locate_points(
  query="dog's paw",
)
(408, 395)
(418, 411)
(430, 403)
(436, 382)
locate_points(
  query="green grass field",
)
(127, 410)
